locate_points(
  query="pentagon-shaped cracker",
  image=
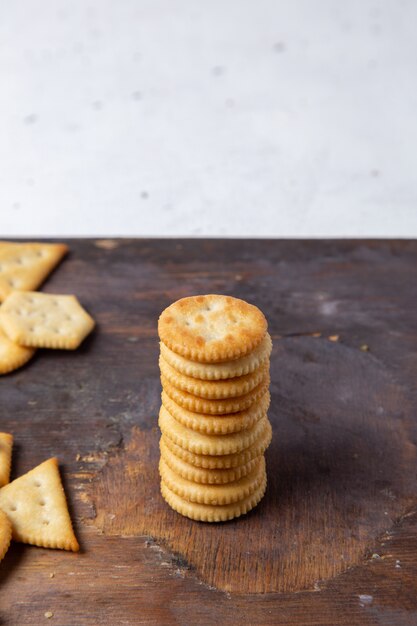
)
(43, 320)
(36, 505)
(25, 266)
(12, 356)
(6, 444)
(5, 534)
(212, 328)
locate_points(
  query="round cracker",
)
(5, 534)
(214, 407)
(212, 328)
(218, 425)
(220, 371)
(212, 513)
(12, 356)
(215, 445)
(208, 461)
(205, 476)
(214, 389)
(218, 495)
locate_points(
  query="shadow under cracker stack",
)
(214, 364)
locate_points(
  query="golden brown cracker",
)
(25, 266)
(215, 407)
(213, 389)
(224, 461)
(201, 475)
(212, 513)
(12, 356)
(220, 371)
(213, 445)
(36, 505)
(6, 444)
(218, 425)
(213, 494)
(5, 534)
(212, 328)
(43, 320)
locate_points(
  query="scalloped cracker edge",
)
(5, 534)
(6, 445)
(36, 506)
(12, 356)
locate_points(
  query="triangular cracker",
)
(44, 320)
(26, 265)
(6, 443)
(36, 506)
(12, 356)
(5, 534)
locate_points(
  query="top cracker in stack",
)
(214, 366)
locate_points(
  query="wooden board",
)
(335, 539)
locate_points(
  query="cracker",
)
(214, 389)
(12, 356)
(25, 266)
(36, 506)
(214, 445)
(213, 494)
(215, 407)
(218, 425)
(43, 320)
(211, 328)
(5, 534)
(201, 475)
(209, 512)
(224, 461)
(219, 371)
(6, 444)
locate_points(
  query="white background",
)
(219, 117)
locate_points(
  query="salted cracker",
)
(12, 356)
(201, 475)
(212, 328)
(43, 320)
(25, 266)
(210, 512)
(5, 534)
(6, 444)
(224, 461)
(219, 371)
(214, 424)
(36, 505)
(215, 445)
(214, 389)
(215, 407)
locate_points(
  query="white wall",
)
(220, 117)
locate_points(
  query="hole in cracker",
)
(37, 483)
(45, 522)
(13, 508)
(42, 502)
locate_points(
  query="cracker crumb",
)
(78, 457)
(48, 614)
(333, 338)
(375, 556)
(52, 575)
(316, 334)
(364, 347)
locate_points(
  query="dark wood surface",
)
(334, 542)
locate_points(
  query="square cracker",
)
(25, 266)
(36, 506)
(12, 356)
(6, 444)
(43, 320)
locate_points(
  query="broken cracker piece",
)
(43, 320)
(6, 444)
(5, 534)
(37, 508)
(25, 266)
(12, 356)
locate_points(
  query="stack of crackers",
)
(214, 364)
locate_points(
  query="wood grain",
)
(341, 466)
